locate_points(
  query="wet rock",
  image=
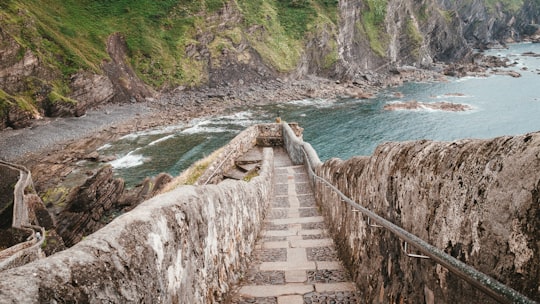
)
(415, 105)
(93, 156)
(147, 189)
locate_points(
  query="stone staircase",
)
(295, 260)
(246, 164)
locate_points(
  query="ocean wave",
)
(452, 95)
(202, 129)
(243, 119)
(318, 103)
(104, 147)
(244, 115)
(159, 131)
(129, 161)
(162, 139)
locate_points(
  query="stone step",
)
(249, 167)
(296, 260)
(235, 173)
(253, 156)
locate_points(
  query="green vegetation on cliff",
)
(72, 34)
(373, 25)
(506, 5)
(169, 42)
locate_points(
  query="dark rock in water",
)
(415, 105)
(530, 54)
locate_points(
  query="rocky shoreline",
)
(52, 147)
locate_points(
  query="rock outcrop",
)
(478, 200)
(100, 199)
(87, 205)
(185, 246)
(352, 39)
(415, 105)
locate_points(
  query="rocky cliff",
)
(58, 58)
(478, 200)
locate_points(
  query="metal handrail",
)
(483, 282)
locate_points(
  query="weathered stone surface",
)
(475, 199)
(416, 105)
(184, 246)
(91, 89)
(87, 205)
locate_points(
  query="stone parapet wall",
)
(225, 160)
(295, 146)
(270, 134)
(21, 199)
(478, 200)
(184, 246)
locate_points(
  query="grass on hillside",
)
(508, 5)
(415, 37)
(283, 26)
(373, 26)
(71, 35)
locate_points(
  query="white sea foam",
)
(243, 119)
(452, 95)
(467, 78)
(128, 161)
(318, 103)
(202, 129)
(164, 130)
(244, 115)
(104, 147)
(161, 139)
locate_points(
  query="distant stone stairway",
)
(246, 164)
(295, 260)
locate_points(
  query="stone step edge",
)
(265, 291)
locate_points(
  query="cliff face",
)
(478, 200)
(486, 25)
(86, 56)
(374, 37)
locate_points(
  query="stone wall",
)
(295, 147)
(225, 160)
(478, 200)
(262, 134)
(184, 246)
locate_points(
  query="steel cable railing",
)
(483, 282)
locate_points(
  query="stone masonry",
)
(294, 259)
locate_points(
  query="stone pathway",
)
(295, 260)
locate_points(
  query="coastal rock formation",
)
(87, 205)
(349, 40)
(494, 23)
(95, 203)
(478, 200)
(185, 246)
(415, 105)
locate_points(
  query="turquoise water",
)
(501, 105)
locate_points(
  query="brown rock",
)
(87, 204)
(415, 105)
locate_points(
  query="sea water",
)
(500, 105)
